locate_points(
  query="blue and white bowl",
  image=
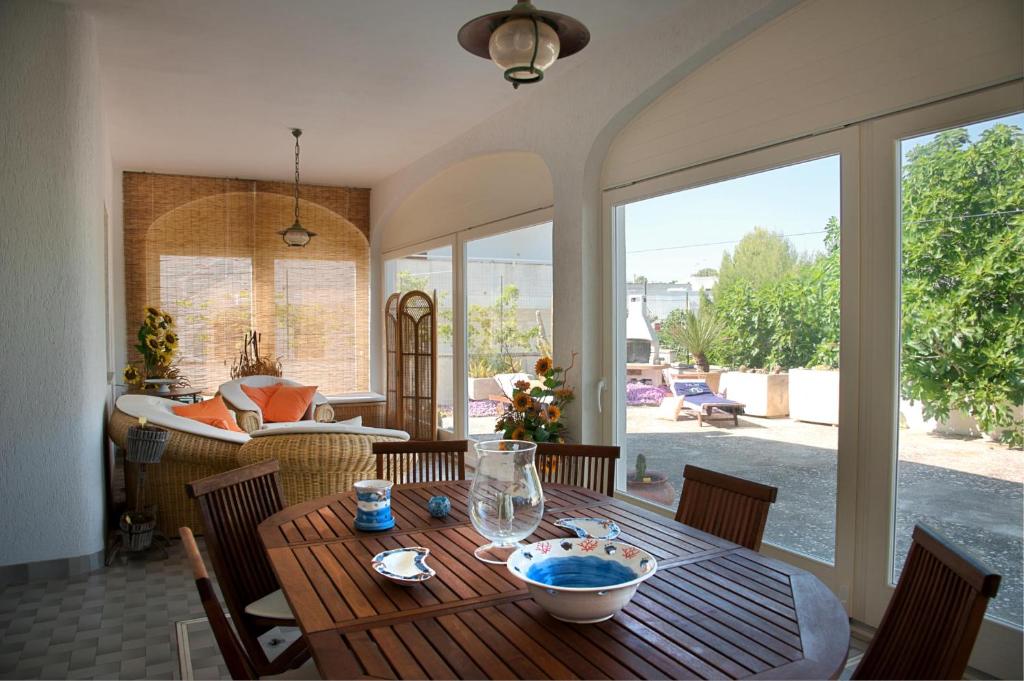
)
(581, 580)
(406, 566)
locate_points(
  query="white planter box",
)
(814, 396)
(482, 388)
(763, 394)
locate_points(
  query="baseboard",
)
(58, 568)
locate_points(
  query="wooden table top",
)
(713, 609)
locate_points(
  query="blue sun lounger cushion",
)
(690, 388)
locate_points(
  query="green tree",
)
(699, 333)
(408, 281)
(706, 272)
(963, 277)
(760, 257)
(495, 333)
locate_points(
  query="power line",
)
(712, 243)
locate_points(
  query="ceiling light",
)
(296, 236)
(524, 41)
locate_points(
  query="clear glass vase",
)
(506, 502)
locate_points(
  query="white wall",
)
(54, 171)
(569, 126)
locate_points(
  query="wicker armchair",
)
(248, 415)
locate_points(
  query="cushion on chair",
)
(260, 395)
(288, 404)
(687, 388)
(212, 412)
(271, 606)
(158, 411)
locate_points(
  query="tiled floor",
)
(128, 621)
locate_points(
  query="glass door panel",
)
(431, 271)
(732, 296)
(959, 464)
(508, 301)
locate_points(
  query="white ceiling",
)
(212, 86)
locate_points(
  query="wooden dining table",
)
(712, 610)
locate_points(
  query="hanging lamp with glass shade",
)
(524, 41)
(296, 236)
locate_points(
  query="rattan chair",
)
(238, 662)
(932, 621)
(725, 506)
(590, 466)
(421, 461)
(233, 504)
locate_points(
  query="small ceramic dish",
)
(601, 529)
(581, 580)
(405, 566)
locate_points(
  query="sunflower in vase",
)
(535, 413)
(157, 343)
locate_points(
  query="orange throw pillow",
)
(261, 395)
(212, 412)
(288, 404)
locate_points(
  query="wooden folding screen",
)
(391, 347)
(412, 363)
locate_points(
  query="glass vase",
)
(506, 502)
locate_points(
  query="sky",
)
(669, 238)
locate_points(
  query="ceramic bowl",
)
(581, 580)
(405, 566)
(601, 529)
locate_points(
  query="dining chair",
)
(238, 662)
(728, 507)
(589, 466)
(421, 460)
(233, 504)
(930, 625)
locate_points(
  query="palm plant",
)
(699, 332)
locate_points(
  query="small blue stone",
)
(439, 507)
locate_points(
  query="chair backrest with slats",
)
(932, 621)
(421, 461)
(239, 665)
(233, 505)
(590, 466)
(728, 507)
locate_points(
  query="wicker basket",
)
(145, 444)
(138, 535)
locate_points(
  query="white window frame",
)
(845, 143)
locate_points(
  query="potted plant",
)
(157, 344)
(649, 485)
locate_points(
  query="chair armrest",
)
(249, 421)
(324, 413)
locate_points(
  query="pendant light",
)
(296, 236)
(524, 41)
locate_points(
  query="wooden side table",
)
(187, 395)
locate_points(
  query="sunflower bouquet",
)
(536, 410)
(157, 344)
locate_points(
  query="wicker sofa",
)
(247, 412)
(316, 460)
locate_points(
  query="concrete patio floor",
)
(969, 490)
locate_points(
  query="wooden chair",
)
(725, 506)
(590, 466)
(421, 461)
(932, 621)
(233, 504)
(239, 664)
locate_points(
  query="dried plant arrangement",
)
(249, 362)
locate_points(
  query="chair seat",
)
(306, 671)
(271, 606)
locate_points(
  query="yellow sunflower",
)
(553, 412)
(131, 374)
(519, 433)
(521, 402)
(170, 339)
(167, 319)
(523, 385)
(152, 343)
(153, 312)
(543, 366)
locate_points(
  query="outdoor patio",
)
(970, 490)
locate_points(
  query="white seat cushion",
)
(272, 606)
(157, 411)
(301, 427)
(356, 398)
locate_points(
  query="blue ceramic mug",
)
(373, 505)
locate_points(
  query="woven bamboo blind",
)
(207, 251)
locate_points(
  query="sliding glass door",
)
(732, 342)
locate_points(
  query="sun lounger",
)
(696, 398)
